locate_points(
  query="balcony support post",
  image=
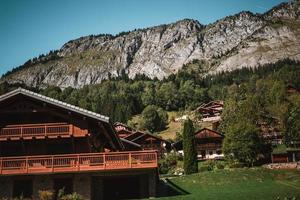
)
(78, 163)
(45, 130)
(71, 129)
(26, 164)
(104, 162)
(1, 161)
(52, 164)
(130, 160)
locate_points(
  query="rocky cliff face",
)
(242, 40)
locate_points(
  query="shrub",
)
(74, 196)
(168, 163)
(46, 195)
(235, 164)
(211, 165)
(203, 168)
(220, 165)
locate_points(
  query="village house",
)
(120, 126)
(208, 144)
(281, 153)
(272, 134)
(146, 141)
(211, 113)
(46, 144)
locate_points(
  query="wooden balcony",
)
(78, 163)
(209, 146)
(40, 131)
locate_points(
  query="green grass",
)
(172, 127)
(254, 183)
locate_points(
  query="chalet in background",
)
(46, 144)
(146, 141)
(271, 134)
(211, 112)
(208, 144)
(120, 126)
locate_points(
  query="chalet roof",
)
(142, 134)
(116, 124)
(134, 135)
(124, 133)
(212, 104)
(205, 132)
(121, 124)
(55, 102)
(130, 142)
(178, 144)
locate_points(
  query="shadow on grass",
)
(167, 188)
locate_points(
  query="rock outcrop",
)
(241, 40)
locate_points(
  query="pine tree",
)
(189, 148)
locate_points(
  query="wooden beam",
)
(107, 135)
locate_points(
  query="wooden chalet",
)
(150, 142)
(46, 144)
(208, 144)
(211, 109)
(211, 113)
(120, 126)
(146, 141)
(124, 133)
(271, 134)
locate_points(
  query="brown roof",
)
(207, 133)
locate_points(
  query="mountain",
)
(241, 40)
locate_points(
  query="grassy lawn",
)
(255, 183)
(170, 132)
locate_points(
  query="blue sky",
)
(29, 28)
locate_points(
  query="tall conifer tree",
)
(189, 148)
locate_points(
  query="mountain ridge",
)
(241, 40)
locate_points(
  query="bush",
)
(203, 168)
(46, 195)
(168, 163)
(74, 196)
(235, 164)
(220, 165)
(211, 165)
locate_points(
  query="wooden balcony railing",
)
(209, 146)
(78, 162)
(28, 131)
